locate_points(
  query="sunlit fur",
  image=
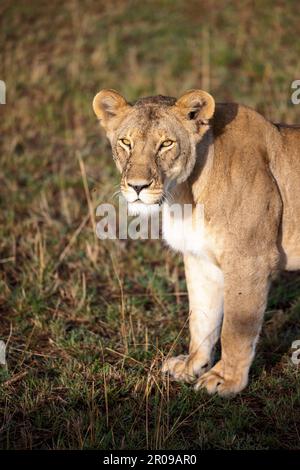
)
(245, 171)
(146, 125)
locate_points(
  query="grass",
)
(87, 322)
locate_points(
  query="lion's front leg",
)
(205, 289)
(245, 297)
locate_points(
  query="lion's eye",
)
(126, 142)
(167, 143)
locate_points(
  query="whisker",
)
(168, 197)
(115, 194)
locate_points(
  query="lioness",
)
(245, 170)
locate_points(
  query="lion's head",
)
(154, 140)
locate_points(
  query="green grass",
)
(88, 322)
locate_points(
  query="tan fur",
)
(246, 172)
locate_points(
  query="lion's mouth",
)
(141, 208)
(143, 198)
(158, 201)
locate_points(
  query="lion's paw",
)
(184, 368)
(215, 381)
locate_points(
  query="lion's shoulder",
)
(239, 119)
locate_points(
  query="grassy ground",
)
(88, 322)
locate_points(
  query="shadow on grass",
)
(281, 324)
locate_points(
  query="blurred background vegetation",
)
(86, 322)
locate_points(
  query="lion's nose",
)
(138, 187)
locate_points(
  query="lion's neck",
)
(183, 214)
(192, 191)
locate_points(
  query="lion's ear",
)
(107, 104)
(196, 105)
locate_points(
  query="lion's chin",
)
(142, 209)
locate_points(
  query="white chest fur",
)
(183, 228)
